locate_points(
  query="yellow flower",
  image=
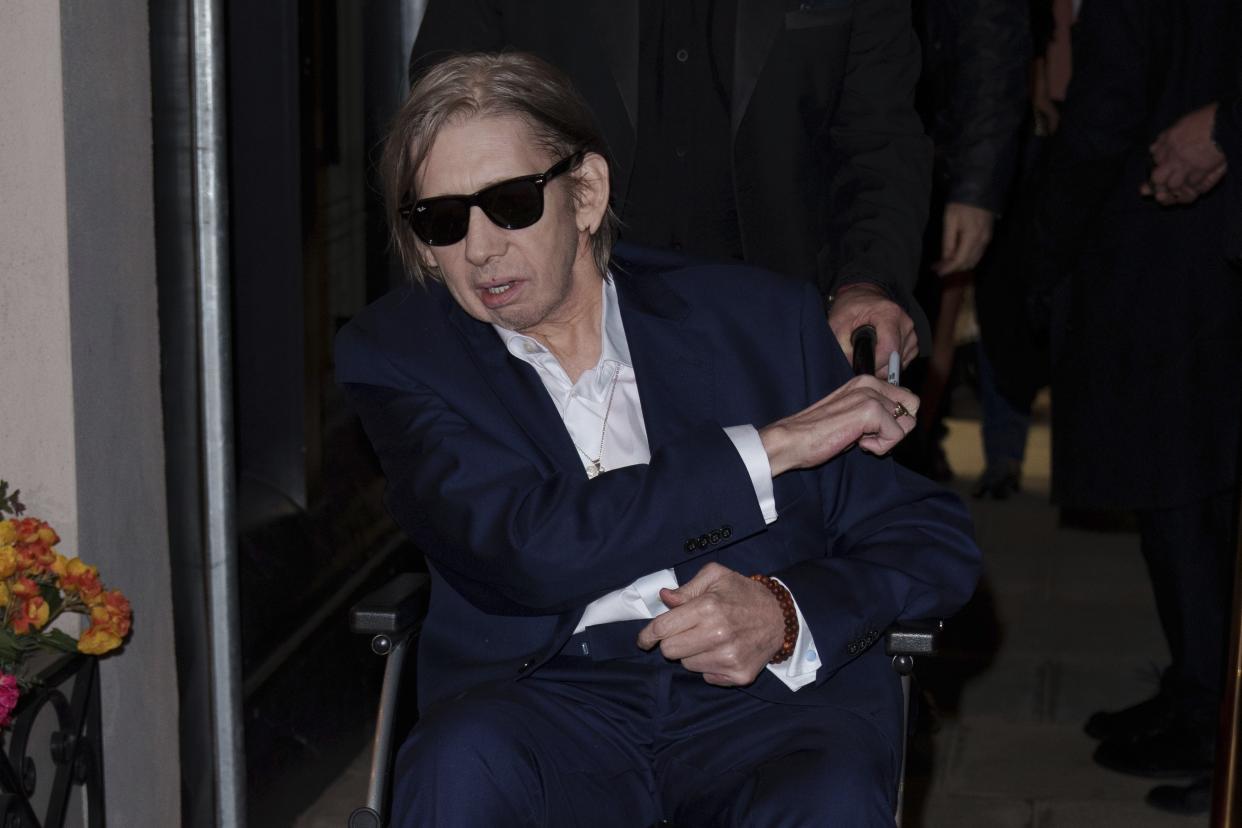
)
(4, 595)
(8, 533)
(97, 641)
(8, 561)
(37, 611)
(59, 565)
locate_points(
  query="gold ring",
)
(901, 411)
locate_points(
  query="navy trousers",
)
(587, 741)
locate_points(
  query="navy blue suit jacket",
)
(483, 476)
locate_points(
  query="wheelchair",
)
(392, 615)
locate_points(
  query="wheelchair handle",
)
(863, 341)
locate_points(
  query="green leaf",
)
(9, 649)
(51, 594)
(58, 641)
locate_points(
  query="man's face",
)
(524, 280)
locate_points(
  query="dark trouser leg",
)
(771, 764)
(529, 753)
(1189, 552)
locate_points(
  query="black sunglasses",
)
(511, 204)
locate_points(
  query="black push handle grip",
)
(863, 340)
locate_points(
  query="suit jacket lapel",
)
(758, 24)
(518, 388)
(674, 371)
(616, 21)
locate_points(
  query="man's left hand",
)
(967, 232)
(1186, 163)
(721, 624)
(866, 304)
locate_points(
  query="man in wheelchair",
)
(661, 530)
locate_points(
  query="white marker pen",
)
(894, 368)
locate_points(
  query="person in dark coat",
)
(973, 99)
(1145, 336)
(775, 132)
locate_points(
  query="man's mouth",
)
(499, 293)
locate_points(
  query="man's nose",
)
(484, 240)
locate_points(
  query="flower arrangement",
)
(37, 586)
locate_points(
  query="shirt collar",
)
(614, 348)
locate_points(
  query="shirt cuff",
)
(750, 447)
(800, 668)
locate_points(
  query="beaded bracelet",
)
(791, 617)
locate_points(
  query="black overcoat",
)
(1146, 333)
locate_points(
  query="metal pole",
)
(211, 259)
(1226, 795)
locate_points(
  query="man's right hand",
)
(861, 304)
(866, 411)
(1186, 163)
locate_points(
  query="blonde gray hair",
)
(481, 84)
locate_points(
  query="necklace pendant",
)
(593, 470)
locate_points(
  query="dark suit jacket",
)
(483, 476)
(831, 168)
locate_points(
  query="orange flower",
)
(25, 588)
(4, 595)
(81, 578)
(97, 641)
(33, 612)
(35, 558)
(33, 530)
(113, 613)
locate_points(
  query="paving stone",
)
(339, 799)
(1036, 761)
(1062, 814)
(1080, 628)
(1081, 686)
(1013, 688)
(958, 811)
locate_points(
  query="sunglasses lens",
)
(440, 222)
(513, 204)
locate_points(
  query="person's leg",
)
(545, 751)
(731, 759)
(1189, 553)
(1004, 430)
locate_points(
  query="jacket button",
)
(726, 531)
(690, 546)
(702, 542)
(714, 537)
(853, 648)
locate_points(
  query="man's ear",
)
(593, 191)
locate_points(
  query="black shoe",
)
(1140, 719)
(1168, 753)
(998, 483)
(1195, 798)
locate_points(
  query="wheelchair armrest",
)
(396, 607)
(913, 638)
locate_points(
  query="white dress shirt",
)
(584, 405)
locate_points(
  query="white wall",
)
(80, 427)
